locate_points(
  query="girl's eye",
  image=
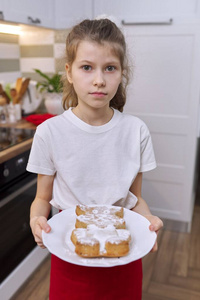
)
(110, 68)
(86, 68)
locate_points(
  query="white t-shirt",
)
(92, 164)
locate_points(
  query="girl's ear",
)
(68, 73)
(123, 74)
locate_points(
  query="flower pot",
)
(53, 103)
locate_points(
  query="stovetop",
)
(13, 136)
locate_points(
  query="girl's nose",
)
(99, 80)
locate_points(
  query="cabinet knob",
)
(6, 172)
(34, 21)
(1, 15)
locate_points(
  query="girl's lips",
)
(100, 94)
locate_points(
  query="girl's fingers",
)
(41, 245)
(41, 224)
(155, 247)
(44, 225)
(156, 224)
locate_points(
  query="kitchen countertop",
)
(20, 148)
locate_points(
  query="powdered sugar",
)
(101, 220)
(92, 233)
(105, 210)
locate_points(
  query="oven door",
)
(16, 239)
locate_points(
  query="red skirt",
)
(73, 282)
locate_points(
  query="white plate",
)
(59, 243)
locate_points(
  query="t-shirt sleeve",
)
(147, 159)
(40, 160)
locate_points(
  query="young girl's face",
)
(95, 74)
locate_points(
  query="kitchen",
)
(164, 46)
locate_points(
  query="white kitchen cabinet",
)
(148, 11)
(37, 12)
(164, 92)
(2, 9)
(70, 12)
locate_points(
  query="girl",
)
(92, 154)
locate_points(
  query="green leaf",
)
(52, 84)
(42, 74)
(7, 90)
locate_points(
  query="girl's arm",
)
(41, 207)
(143, 209)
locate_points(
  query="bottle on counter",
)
(11, 113)
(3, 110)
(3, 114)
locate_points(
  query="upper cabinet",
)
(61, 14)
(2, 9)
(70, 12)
(148, 11)
(37, 12)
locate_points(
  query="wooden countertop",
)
(20, 148)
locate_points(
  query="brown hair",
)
(99, 31)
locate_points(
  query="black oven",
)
(19, 254)
(17, 191)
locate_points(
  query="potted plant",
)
(51, 88)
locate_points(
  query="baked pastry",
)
(101, 221)
(101, 242)
(101, 216)
(100, 232)
(105, 210)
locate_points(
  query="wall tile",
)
(44, 64)
(61, 35)
(9, 65)
(37, 37)
(60, 65)
(36, 51)
(35, 76)
(9, 77)
(9, 57)
(59, 50)
(38, 48)
(9, 51)
(9, 38)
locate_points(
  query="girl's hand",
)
(37, 225)
(156, 225)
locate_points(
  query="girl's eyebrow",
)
(85, 61)
(106, 63)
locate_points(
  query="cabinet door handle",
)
(164, 22)
(34, 21)
(1, 15)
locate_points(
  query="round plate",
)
(59, 243)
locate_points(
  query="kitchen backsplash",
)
(9, 57)
(33, 49)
